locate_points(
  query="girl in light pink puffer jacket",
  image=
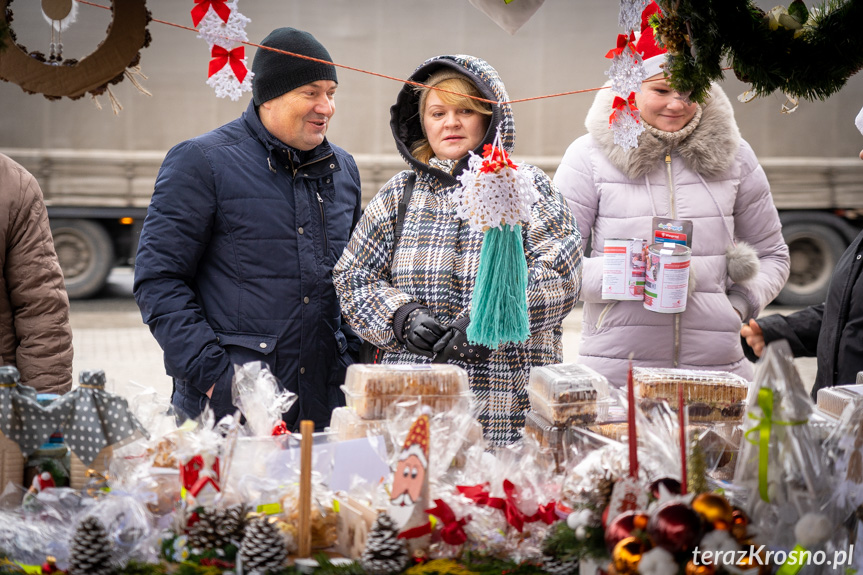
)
(691, 163)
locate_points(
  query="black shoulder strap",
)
(403, 207)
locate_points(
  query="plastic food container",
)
(545, 433)
(568, 383)
(346, 424)
(708, 395)
(834, 399)
(422, 379)
(571, 413)
(375, 406)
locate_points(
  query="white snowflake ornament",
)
(494, 192)
(226, 84)
(627, 70)
(630, 13)
(625, 121)
(216, 31)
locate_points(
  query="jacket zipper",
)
(323, 223)
(675, 360)
(320, 204)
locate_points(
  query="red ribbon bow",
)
(514, 516)
(203, 6)
(495, 160)
(622, 42)
(621, 105)
(235, 57)
(453, 529)
(280, 429)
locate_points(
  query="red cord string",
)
(370, 73)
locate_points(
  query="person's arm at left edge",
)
(37, 294)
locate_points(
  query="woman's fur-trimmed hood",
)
(709, 150)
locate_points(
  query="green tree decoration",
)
(805, 54)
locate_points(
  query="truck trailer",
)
(97, 169)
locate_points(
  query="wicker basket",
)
(11, 462)
(78, 471)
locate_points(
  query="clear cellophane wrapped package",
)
(324, 519)
(517, 477)
(256, 392)
(569, 393)
(371, 389)
(834, 400)
(708, 395)
(453, 435)
(783, 475)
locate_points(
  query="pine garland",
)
(812, 64)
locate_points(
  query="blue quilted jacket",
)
(235, 265)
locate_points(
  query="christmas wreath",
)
(804, 53)
(115, 58)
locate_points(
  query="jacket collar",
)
(280, 153)
(709, 150)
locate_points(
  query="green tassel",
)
(498, 312)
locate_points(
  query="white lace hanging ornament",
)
(630, 13)
(625, 121)
(221, 25)
(496, 198)
(60, 14)
(627, 66)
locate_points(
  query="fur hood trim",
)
(709, 150)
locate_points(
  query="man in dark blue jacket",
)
(236, 253)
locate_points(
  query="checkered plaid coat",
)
(436, 261)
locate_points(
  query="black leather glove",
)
(422, 332)
(457, 348)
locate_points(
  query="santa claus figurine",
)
(409, 495)
(41, 482)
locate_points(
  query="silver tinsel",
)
(627, 72)
(627, 127)
(630, 13)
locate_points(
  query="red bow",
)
(621, 105)
(514, 516)
(453, 529)
(622, 42)
(280, 429)
(203, 6)
(235, 57)
(496, 159)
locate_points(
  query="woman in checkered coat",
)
(413, 299)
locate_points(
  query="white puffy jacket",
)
(711, 177)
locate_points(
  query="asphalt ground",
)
(108, 334)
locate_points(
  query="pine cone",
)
(385, 553)
(90, 553)
(204, 534)
(555, 566)
(263, 549)
(233, 522)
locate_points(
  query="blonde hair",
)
(454, 82)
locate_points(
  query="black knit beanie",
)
(276, 73)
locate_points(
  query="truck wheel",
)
(86, 255)
(814, 249)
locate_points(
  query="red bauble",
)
(671, 485)
(623, 526)
(675, 527)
